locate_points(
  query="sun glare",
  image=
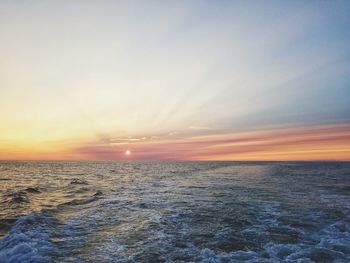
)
(127, 152)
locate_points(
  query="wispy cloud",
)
(169, 71)
(327, 142)
(195, 127)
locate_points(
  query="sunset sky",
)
(175, 80)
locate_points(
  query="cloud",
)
(327, 142)
(195, 127)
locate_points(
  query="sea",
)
(174, 212)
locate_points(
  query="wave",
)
(78, 182)
(21, 196)
(29, 240)
(33, 190)
(84, 201)
(17, 197)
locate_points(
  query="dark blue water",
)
(174, 212)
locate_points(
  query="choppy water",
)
(174, 212)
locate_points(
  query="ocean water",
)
(174, 212)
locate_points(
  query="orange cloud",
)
(328, 142)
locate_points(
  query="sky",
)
(174, 80)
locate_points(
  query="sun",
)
(127, 152)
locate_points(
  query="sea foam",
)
(29, 240)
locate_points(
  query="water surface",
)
(174, 212)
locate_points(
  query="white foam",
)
(28, 241)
